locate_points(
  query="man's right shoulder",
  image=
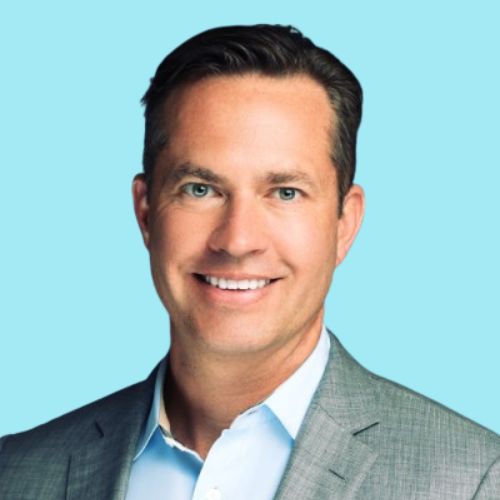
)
(73, 428)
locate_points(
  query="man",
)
(246, 206)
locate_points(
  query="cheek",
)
(178, 237)
(308, 243)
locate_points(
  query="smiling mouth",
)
(230, 284)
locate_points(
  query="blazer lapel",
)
(100, 468)
(330, 460)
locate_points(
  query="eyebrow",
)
(187, 169)
(190, 170)
(289, 176)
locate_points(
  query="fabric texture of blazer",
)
(363, 437)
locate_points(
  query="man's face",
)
(242, 224)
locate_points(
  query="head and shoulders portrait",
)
(248, 201)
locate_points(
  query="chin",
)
(228, 337)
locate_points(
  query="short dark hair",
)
(269, 50)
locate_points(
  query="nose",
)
(241, 230)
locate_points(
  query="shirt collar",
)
(289, 401)
(154, 413)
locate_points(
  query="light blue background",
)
(416, 301)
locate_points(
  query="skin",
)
(245, 189)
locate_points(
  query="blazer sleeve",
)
(489, 487)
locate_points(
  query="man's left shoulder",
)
(419, 437)
(406, 415)
(422, 420)
(403, 441)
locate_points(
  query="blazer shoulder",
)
(412, 436)
(416, 420)
(2, 441)
(384, 400)
(413, 403)
(79, 425)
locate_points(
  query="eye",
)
(197, 190)
(287, 193)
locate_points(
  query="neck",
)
(206, 391)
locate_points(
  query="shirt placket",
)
(219, 475)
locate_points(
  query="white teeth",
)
(236, 284)
(243, 284)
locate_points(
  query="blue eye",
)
(197, 190)
(287, 194)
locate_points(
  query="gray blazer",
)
(363, 437)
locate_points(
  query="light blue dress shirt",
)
(247, 461)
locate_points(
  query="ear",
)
(350, 221)
(141, 205)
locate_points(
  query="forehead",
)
(292, 88)
(249, 118)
